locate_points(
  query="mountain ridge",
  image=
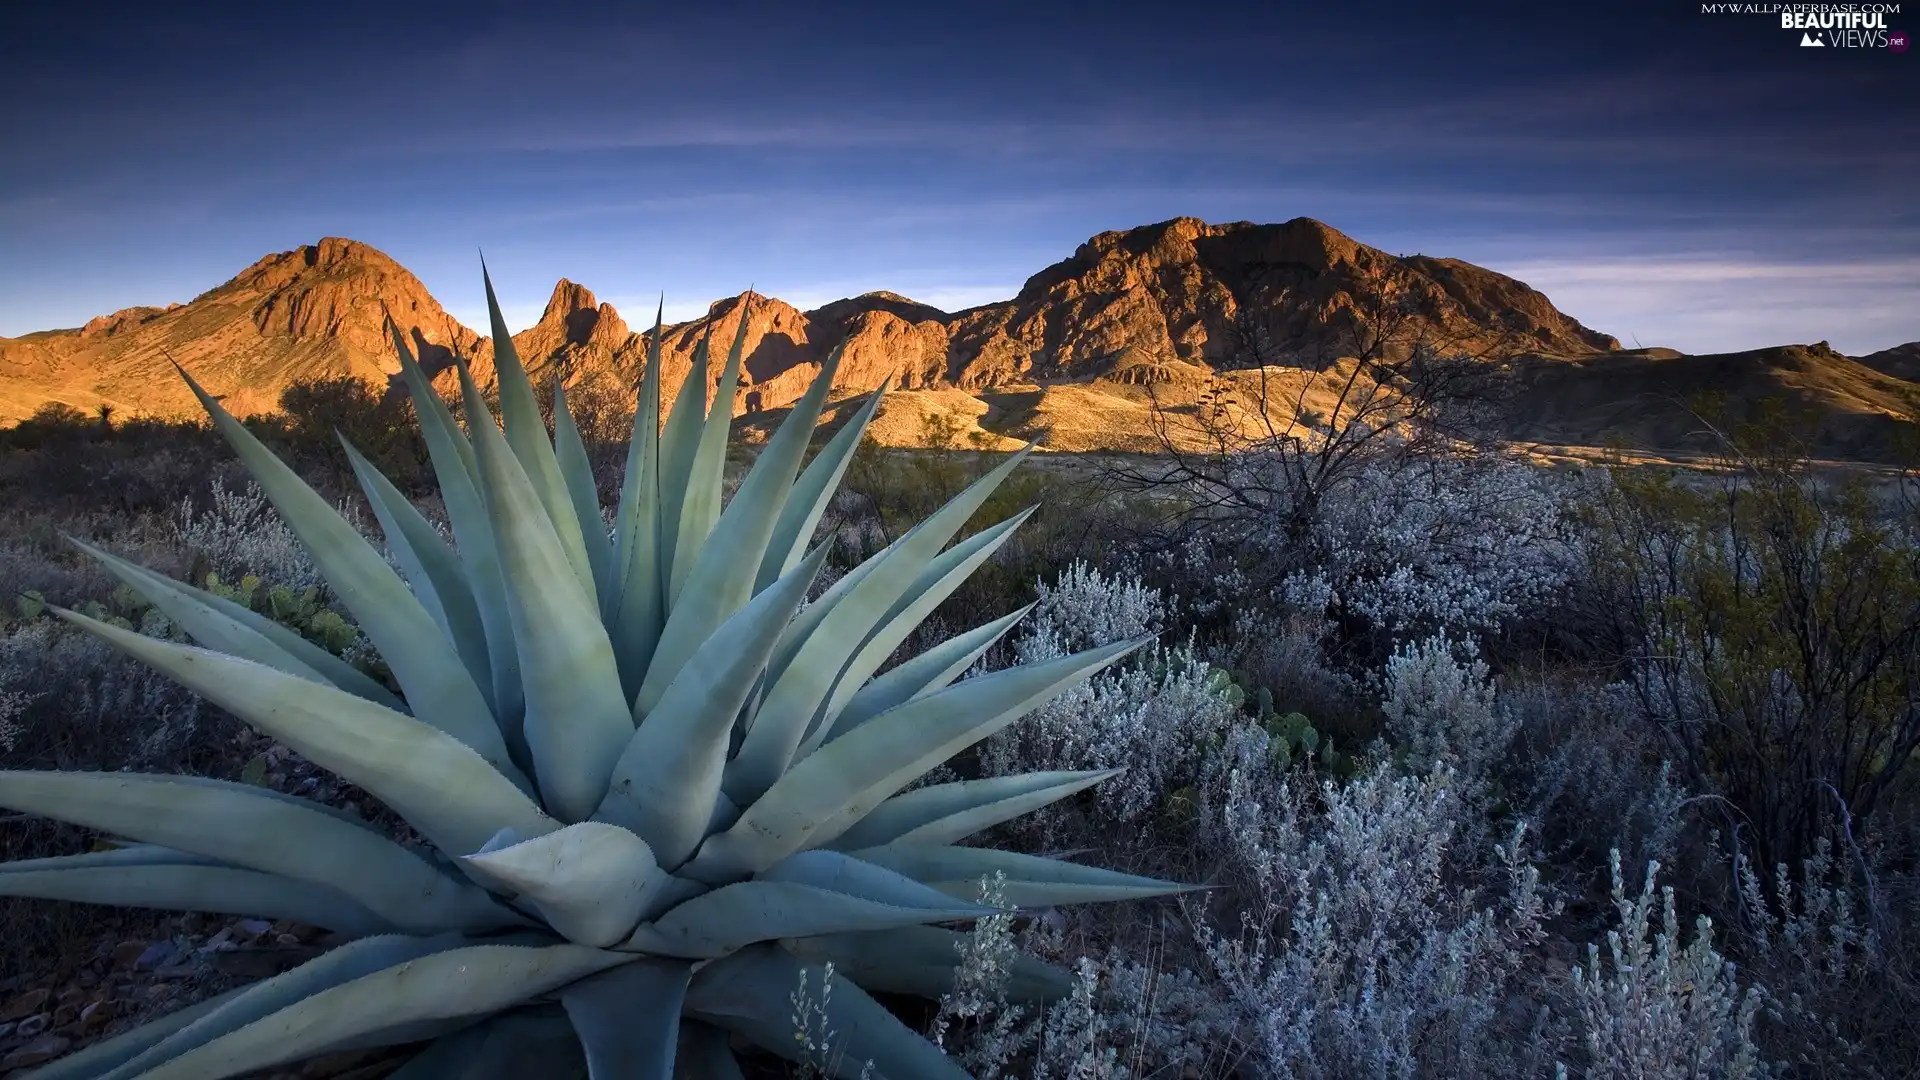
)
(1173, 303)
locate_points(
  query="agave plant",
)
(656, 787)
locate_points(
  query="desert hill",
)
(1642, 398)
(1079, 357)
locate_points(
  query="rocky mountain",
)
(1131, 316)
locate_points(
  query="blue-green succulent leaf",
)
(431, 567)
(795, 696)
(722, 579)
(526, 433)
(239, 826)
(668, 777)
(590, 881)
(1031, 880)
(636, 612)
(101, 1058)
(704, 1054)
(262, 999)
(628, 1018)
(221, 624)
(923, 674)
(920, 961)
(826, 792)
(439, 784)
(469, 981)
(751, 992)
(577, 719)
(700, 503)
(937, 582)
(437, 685)
(679, 444)
(458, 473)
(949, 813)
(812, 492)
(576, 468)
(535, 1041)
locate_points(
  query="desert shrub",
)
(1153, 715)
(1584, 770)
(1360, 950)
(1440, 708)
(1404, 548)
(315, 414)
(1770, 628)
(240, 534)
(1124, 1019)
(1657, 1009)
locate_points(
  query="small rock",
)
(66, 1014)
(286, 939)
(44, 1048)
(216, 941)
(24, 1005)
(127, 953)
(253, 928)
(96, 1012)
(155, 955)
(6, 1029)
(31, 1026)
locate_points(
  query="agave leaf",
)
(461, 982)
(814, 892)
(195, 886)
(127, 854)
(700, 505)
(948, 813)
(920, 961)
(734, 916)
(570, 452)
(457, 470)
(628, 1018)
(807, 623)
(526, 433)
(429, 671)
(344, 964)
(941, 577)
(722, 579)
(704, 1054)
(794, 697)
(219, 623)
(1032, 881)
(591, 881)
(826, 792)
(431, 567)
(235, 824)
(668, 777)
(751, 992)
(98, 1059)
(679, 442)
(510, 1046)
(812, 492)
(436, 782)
(635, 613)
(577, 719)
(923, 674)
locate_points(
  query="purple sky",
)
(1691, 180)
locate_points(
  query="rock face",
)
(1161, 303)
(313, 311)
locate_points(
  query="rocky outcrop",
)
(1165, 302)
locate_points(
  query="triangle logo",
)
(1807, 39)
